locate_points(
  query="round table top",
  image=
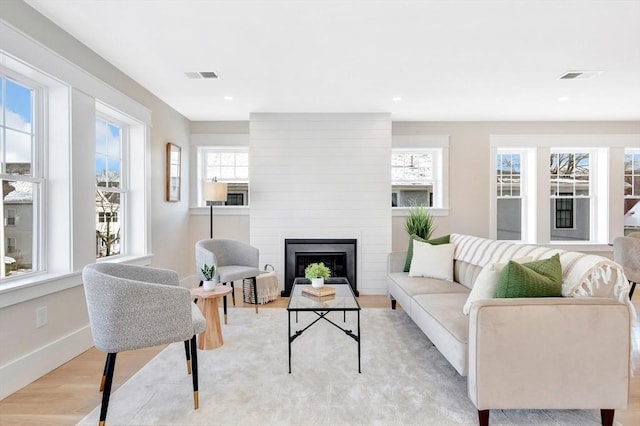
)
(219, 291)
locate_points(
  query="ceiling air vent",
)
(199, 75)
(580, 75)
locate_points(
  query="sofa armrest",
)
(395, 261)
(549, 353)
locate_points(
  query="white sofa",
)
(571, 352)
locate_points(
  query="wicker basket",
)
(268, 287)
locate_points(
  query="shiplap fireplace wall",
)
(322, 176)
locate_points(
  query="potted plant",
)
(209, 273)
(317, 272)
(419, 222)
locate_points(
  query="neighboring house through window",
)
(570, 182)
(509, 195)
(110, 186)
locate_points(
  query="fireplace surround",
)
(339, 255)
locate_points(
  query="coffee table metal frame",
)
(346, 302)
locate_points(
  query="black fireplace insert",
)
(337, 254)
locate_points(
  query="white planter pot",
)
(209, 285)
(317, 282)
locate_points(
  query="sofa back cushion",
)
(582, 274)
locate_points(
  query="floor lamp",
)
(213, 191)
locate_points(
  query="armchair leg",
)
(633, 287)
(606, 415)
(224, 308)
(483, 417)
(194, 376)
(255, 292)
(233, 294)
(110, 367)
(188, 355)
(104, 374)
(393, 304)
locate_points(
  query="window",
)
(509, 195)
(110, 187)
(631, 191)
(229, 165)
(20, 175)
(10, 217)
(570, 177)
(414, 177)
(11, 245)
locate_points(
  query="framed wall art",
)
(174, 166)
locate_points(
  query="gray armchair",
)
(234, 260)
(133, 307)
(626, 252)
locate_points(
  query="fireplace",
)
(338, 254)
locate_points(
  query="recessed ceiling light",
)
(580, 75)
(228, 98)
(397, 99)
(199, 75)
(563, 98)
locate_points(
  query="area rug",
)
(404, 380)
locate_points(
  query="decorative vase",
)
(209, 285)
(317, 282)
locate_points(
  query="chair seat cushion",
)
(235, 272)
(199, 323)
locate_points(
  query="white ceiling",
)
(447, 60)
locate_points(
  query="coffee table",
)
(211, 337)
(344, 301)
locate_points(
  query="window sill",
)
(404, 211)
(37, 285)
(220, 211)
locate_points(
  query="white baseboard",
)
(22, 371)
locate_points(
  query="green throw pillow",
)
(433, 242)
(541, 278)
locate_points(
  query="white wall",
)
(322, 176)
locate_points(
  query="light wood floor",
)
(70, 392)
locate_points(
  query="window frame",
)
(201, 161)
(37, 176)
(526, 159)
(438, 143)
(123, 189)
(635, 195)
(607, 169)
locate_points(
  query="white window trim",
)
(413, 143)
(214, 140)
(610, 149)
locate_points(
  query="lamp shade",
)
(214, 191)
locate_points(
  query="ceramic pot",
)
(209, 285)
(317, 282)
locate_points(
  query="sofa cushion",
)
(485, 285)
(434, 242)
(432, 261)
(440, 317)
(542, 278)
(419, 285)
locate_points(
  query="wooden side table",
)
(211, 337)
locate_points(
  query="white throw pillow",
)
(432, 261)
(485, 285)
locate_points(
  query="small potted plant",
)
(317, 272)
(209, 273)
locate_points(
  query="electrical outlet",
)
(41, 316)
